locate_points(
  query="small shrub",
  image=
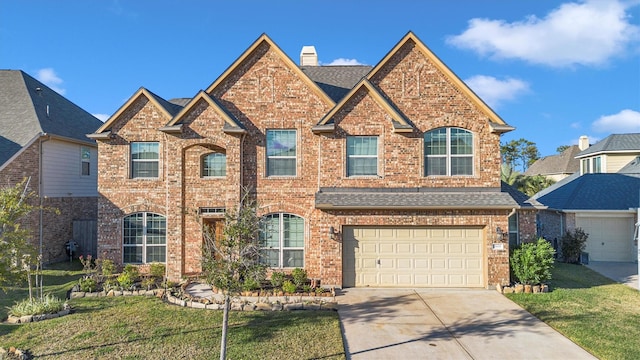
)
(277, 279)
(48, 305)
(157, 270)
(87, 284)
(573, 244)
(319, 290)
(299, 276)
(306, 288)
(148, 283)
(125, 280)
(132, 270)
(107, 267)
(250, 284)
(109, 284)
(532, 262)
(288, 287)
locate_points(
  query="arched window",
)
(214, 165)
(144, 238)
(282, 241)
(448, 152)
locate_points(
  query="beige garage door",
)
(413, 257)
(610, 237)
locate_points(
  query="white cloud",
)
(48, 77)
(576, 33)
(343, 61)
(575, 125)
(494, 91)
(626, 121)
(101, 117)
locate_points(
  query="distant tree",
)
(231, 260)
(560, 149)
(508, 174)
(519, 153)
(16, 254)
(531, 185)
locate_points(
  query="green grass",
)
(147, 328)
(593, 311)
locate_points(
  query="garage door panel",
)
(610, 238)
(428, 256)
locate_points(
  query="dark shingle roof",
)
(613, 143)
(26, 112)
(180, 101)
(336, 81)
(593, 192)
(564, 163)
(413, 198)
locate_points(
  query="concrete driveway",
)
(445, 324)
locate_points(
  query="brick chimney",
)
(308, 56)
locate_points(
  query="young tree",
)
(560, 149)
(14, 246)
(519, 153)
(230, 260)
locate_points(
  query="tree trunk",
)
(225, 325)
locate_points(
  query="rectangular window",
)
(85, 161)
(144, 238)
(281, 153)
(586, 166)
(214, 165)
(597, 164)
(448, 152)
(362, 155)
(282, 241)
(513, 231)
(144, 159)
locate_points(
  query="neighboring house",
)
(365, 176)
(604, 201)
(556, 167)
(43, 139)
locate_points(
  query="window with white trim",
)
(282, 241)
(281, 152)
(145, 157)
(448, 152)
(85, 161)
(362, 155)
(513, 231)
(144, 239)
(214, 165)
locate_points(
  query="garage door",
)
(413, 257)
(610, 238)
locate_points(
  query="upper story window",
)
(282, 241)
(592, 165)
(214, 165)
(144, 239)
(144, 159)
(281, 153)
(85, 161)
(448, 152)
(362, 155)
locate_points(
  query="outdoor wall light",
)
(500, 234)
(332, 233)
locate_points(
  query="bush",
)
(532, 262)
(107, 267)
(48, 305)
(157, 270)
(299, 276)
(288, 287)
(126, 280)
(250, 284)
(573, 244)
(277, 279)
(87, 284)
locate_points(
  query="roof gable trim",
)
(141, 92)
(231, 124)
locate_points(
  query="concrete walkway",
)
(622, 272)
(445, 324)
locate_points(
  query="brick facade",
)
(263, 91)
(57, 227)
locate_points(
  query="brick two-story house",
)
(367, 176)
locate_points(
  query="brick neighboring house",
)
(43, 138)
(368, 176)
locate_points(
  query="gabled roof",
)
(632, 168)
(521, 198)
(264, 39)
(231, 123)
(29, 108)
(563, 163)
(399, 121)
(336, 81)
(593, 192)
(169, 110)
(497, 124)
(413, 199)
(614, 143)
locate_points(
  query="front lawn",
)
(593, 311)
(147, 328)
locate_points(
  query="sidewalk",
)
(622, 272)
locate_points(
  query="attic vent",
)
(308, 56)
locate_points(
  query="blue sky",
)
(553, 69)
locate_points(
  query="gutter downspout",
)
(43, 138)
(241, 180)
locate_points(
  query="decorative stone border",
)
(520, 288)
(13, 353)
(33, 318)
